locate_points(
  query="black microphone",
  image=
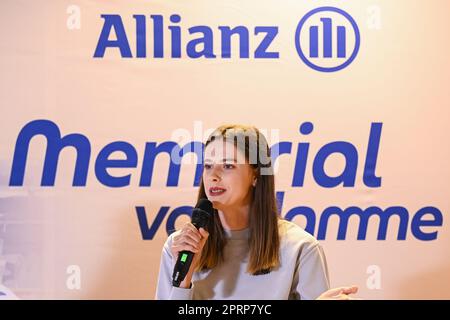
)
(201, 214)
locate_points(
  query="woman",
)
(248, 252)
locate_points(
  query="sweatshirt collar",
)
(242, 234)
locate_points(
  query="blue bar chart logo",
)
(327, 39)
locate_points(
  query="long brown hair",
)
(264, 240)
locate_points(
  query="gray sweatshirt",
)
(302, 274)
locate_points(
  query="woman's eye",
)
(228, 166)
(207, 166)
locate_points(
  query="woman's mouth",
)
(216, 191)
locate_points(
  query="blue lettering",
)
(364, 215)
(112, 21)
(369, 177)
(348, 176)
(54, 146)
(206, 41)
(417, 223)
(148, 233)
(103, 163)
(261, 50)
(176, 36)
(227, 32)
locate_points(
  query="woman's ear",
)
(255, 177)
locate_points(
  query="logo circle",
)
(355, 29)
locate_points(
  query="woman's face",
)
(227, 178)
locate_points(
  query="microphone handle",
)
(183, 264)
(199, 219)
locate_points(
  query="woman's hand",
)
(341, 293)
(191, 239)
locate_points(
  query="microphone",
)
(201, 214)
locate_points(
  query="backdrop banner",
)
(106, 106)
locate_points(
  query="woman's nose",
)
(215, 175)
